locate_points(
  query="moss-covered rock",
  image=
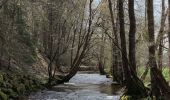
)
(10, 92)
(16, 84)
(3, 96)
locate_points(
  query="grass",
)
(165, 73)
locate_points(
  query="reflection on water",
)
(111, 89)
(82, 87)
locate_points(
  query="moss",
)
(3, 96)
(2, 84)
(124, 97)
(27, 85)
(1, 78)
(14, 85)
(19, 88)
(8, 85)
(165, 72)
(10, 92)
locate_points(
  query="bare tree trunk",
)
(50, 44)
(159, 85)
(169, 33)
(133, 84)
(123, 39)
(160, 55)
(116, 55)
(132, 34)
(101, 67)
(152, 58)
(101, 56)
(113, 22)
(160, 36)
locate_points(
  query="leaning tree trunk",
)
(159, 85)
(72, 72)
(133, 84)
(78, 59)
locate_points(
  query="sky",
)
(140, 5)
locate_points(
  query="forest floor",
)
(83, 86)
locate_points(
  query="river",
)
(83, 86)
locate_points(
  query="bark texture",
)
(132, 34)
(159, 85)
(133, 84)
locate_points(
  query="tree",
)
(116, 55)
(62, 32)
(169, 31)
(133, 84)
(101, 55)
(3, 2)
(161, 35)
(132, 34)
(158, 83)
(84, 38)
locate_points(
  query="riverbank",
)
(16, 85)
(20, 79)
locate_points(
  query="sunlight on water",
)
(113, 97)
(69, 83)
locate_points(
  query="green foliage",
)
(15, 85)
(140, 71)
(165, 73)
(3, 96)
(126, 97)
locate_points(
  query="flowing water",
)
(83, 86)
